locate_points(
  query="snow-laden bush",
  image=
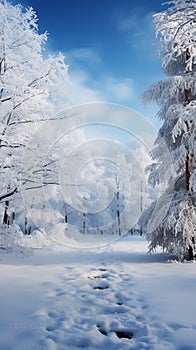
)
(11, 240)
(175, 233)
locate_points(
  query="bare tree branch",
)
(40, 78)
(7, 195)
(41, 120)
(5, 99)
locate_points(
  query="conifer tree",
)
(176, 95)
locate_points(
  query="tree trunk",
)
(29, 230)
(66, 216)
(187, 93)
(188, 159)
(13, 217)
(187, 96)
(191, 255)
(84, 223)
(26, 228)
(188, 171)
(118, 216)
(141, 202)
(6, 216)
(118, 205)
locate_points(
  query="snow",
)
(174, 152)
(113, 297)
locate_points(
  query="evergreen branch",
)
(181, 26)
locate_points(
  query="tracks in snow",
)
(97, 308)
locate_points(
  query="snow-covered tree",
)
(33, 85)
(176, 29)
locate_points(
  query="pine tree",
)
(176, 95)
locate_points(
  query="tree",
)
(175, 27)
(32, 87)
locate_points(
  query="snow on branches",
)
(176, 28)
(176, 96)
(34, 85)
(176, 232)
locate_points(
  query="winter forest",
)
(97, 206)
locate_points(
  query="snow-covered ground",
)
(116, 297)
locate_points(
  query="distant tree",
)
(176, 28)
(32, 87)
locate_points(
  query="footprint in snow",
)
(61, 293)
(120, 333)
(51, 328)
(101, 286)
(119, 309)
(102, 276)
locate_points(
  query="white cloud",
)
(85, 55)
(86, 89)
(128, 24)
(81, 90)
(137, 27)
(120, 90)
(88, 86)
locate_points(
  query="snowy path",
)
(96, 308)
(95, 300)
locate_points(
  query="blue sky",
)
(110, 46)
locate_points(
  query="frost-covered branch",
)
(33, 88)
(8, 194)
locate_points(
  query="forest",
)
(97, 206)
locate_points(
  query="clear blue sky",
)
(109, 45)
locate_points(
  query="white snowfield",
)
(113, 298)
